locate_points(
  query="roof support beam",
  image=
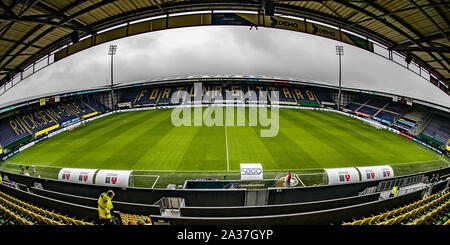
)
(7, 9)
(33, 19)
(22, 40)
(427, 39)
(397, 29)
(429, 18)
(26, 46)
(60, 15)
(423, 49)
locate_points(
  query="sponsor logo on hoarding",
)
(322, 31)
(284, 23)
(111, 179)
(66, 176)
(83, 177)
(344, 176)
(370, 175)
(251, 171)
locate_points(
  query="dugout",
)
(339, 176)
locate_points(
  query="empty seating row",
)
(411, 214)
(35, 215)
(438, 129)
(368, 110)
(378, 109)
(219, 93)
(415, 115)
(37, 120)
(11, 131)
(388, 116)
(7, 217)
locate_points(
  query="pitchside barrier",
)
(208, 197)
(338, 176)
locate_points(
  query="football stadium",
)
(330, 145)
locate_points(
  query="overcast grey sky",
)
(220, 50)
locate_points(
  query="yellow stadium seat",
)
(405, 217)
(397, 211)
(71, 221)
(374, 219)
(382, 223)
(397, 220)
(390, 214)
(65, 219)
(79, 222)
(418, 222)
(391, 221)
(366, 221)
(149, 221)
(357, 222)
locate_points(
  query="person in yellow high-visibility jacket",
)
(104, 207)
(394, 191)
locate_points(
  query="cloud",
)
(224, 50)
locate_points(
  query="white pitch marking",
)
(226, 146)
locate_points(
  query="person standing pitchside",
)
(288, 179)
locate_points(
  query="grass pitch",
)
(147, 140)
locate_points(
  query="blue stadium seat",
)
(438, 128)
(368, 110)
(377, 103)
(352, 106)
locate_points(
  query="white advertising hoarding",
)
(251, 171)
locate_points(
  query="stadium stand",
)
(28, 214)
(51, 202)
(379, 109)
(75, 204)
(323, 95)
(281, 95)
(412, 121)
(437, 130)
(306, 97)
(220, 93)
(33, 121)
(11, 131)
(147, 96)
(386, 116)
(434, 209)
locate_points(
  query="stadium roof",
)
(31, 29)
